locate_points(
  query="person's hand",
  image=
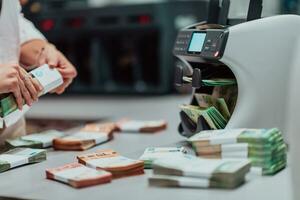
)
(56, 59)
(14, 79)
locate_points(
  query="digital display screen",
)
(197, 42)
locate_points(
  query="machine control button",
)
(206, 48)
(209, 41)
(216, 54)
(213, 47)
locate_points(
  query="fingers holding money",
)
(18, 96)
(37, 86)
(25, 92)
(29, 88)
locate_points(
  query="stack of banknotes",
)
(78, 175)
(21, 156)
(208, 109)
(128, 125)
(191, 171)
(206, 101)
(229, 93)
(110, 160)
(88, 137)
(265, 148)
(212, 117)
(153, 153)
(36, 140)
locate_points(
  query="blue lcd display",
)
(197, 42)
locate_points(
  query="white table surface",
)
(30, 182)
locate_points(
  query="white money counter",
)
(29, 182)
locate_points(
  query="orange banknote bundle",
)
(113, 162)
(78, 175)
(88, 137)
(127, 125)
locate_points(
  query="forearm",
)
(30, 52)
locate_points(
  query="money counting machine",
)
(262, 55)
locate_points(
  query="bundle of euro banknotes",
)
(49, 80)
(127, 125)
(35, 140)
(153, 153)
(110, 160)
(21, 156)
(191, 171)
(88, 137)
(78, 175)
(265, 148)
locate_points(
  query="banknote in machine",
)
(228, 93)
(211, 115)
(206, 101)
(113, 162)
(78, 175)
(213, 82)
(21, 156)
(218, 82)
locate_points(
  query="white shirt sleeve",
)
(28, 31)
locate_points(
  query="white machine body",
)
(264, 56)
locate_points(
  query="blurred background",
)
(125, 46)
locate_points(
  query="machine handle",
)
(197, 78)
(188, 128)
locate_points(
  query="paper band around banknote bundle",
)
(127, 125)
(89, 136)
(78, 175)
(190, 171)
(153, 153)
(188, 165)
(111, 161)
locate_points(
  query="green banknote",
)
(219, 82)
(206, 101)
(211, 115)
(8, 105)
(21, 156)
